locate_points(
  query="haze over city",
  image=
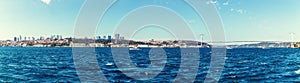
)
(243, 20)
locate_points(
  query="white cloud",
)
(231, 9)
(212, 2)
(226, 3)
(46, 1)
(241, 11)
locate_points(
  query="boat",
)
(109, 64)
(134, 48)
(263, 47)
(229, 47)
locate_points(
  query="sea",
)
(57, 64)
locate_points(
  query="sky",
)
(243, 20)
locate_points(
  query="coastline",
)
(71, 42)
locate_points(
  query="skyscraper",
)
(104, 37)
(60, 37)
(15, 39)
(117, 36)
(20, 38)
(98, 37)
(109, 37)
(122, 38)
(42, 38)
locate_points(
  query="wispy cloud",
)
(241, 11)
(46, 1)
(226, 3)
(212, 2)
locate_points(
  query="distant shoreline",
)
(71, 42)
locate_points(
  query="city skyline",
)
(21, 37)
(243, 20)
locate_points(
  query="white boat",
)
(109, 64)
(134, 48)
(228, 47)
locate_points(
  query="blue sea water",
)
(57, 65)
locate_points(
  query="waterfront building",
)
(122, 38)
(52, 37)
(20, 37)
(42, 38)
(109, 37)
(104, 37)
(151, 40)
(98, 37)
(117, 36)
(15, 39)
(57, 37)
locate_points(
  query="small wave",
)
(297, 72)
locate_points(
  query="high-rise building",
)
(151, 40)
(109, 37)
(104, 37)
(20, 38)
(98, 37)
(60, 37)
(42, 38)
(15, 39)
(57, 37)
(122, 38)
(51, 37)
(117, 36)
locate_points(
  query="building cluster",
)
(98, 41)
(52, 37)
(109, 37)
(52, 41)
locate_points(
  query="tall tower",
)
(117, 36)
(15, 39)
(98, 37)
(201, 36)
(20, 38)
(104, 37)
(109, 37)
(292, 37)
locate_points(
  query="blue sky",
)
(242, 19)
